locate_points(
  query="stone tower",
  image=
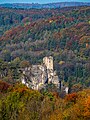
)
(48, 61)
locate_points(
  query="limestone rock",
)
(38, 76)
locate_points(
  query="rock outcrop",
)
(38, 76)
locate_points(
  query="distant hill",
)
(48, 5)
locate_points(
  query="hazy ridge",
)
(48, 5)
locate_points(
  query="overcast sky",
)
(39, 1)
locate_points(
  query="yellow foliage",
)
(61, 62)
(50, 21)
(56, 115)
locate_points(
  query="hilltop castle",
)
(38, 76)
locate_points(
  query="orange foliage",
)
(55, 94)
(4, 86)
(87, 107)
(71, 97)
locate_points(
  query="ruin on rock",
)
(38, 76)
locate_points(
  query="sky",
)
(39, 1)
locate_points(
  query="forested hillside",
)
(21, 103)
(26, 36)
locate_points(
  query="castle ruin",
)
(38, 76)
